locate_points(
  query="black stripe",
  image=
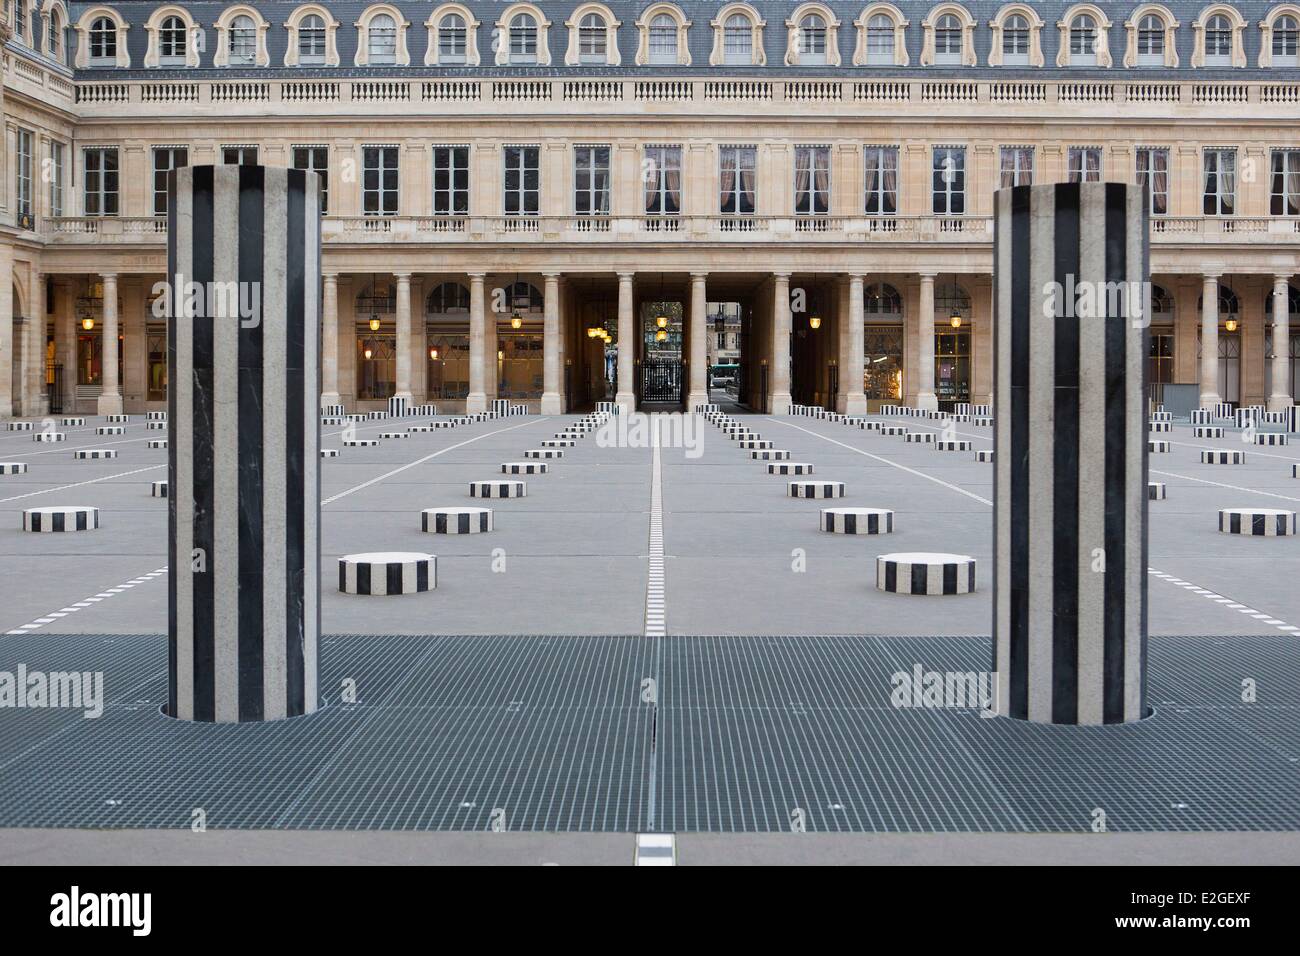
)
(298, 483)
(891, 576)
(343, 576)
(1258, 524)
(1145, 275)
(204, 668)
(1018, 495)
(920, 578)
(850, 523)
(483, 521)
(363, 578)
(393, 578)
(422, 575)
(1116, 490)
(174, 570)
(949, 578)
(1065, 465)
(250, 412)
(80, 518)
(462, 523)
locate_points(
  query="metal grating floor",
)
(551, 733)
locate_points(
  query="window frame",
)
(811, 194)
(445, 199)
(1146, 177)
(160, 209)
(105, 196)
(951, 189)
(736, 194)
(102, 33)
(387, 189)
(1283, 197)
(586, 161)
(659, 155)
(1019, 175)
(1078, 167)
(521, 192)
(304, 156)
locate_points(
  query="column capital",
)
(928, 275)
(329, 277)
(402, 276)
(625, 276)
(781, 275)
(107, 276)
(857, 277)
(1210, 277)
(701, 276)
(1280, 279)
(552, 276)
(480, 276)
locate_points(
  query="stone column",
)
(1281, 397)
(65, 341)
(855, 398)
(402, 387)
(699, 384)
(110, 393)
(476, 401)
(779, 394)
(925, 397)
(491, 345)
(625, 395)
(1210, 341)
(36, 403)
(330, 339)
(7, 343)
(552, 401)
(1069, 518)
(243, 452)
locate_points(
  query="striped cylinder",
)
(110, 430)
(750, 443)
(398, 406)
(1295, 471)
(360, 442)
(1162, 416)
(857, 520)
(985, 455)
(1257, 522)
(611, 407)
(984, 410)
(524, 468)
(1154, 426)
(60, 518)
(333, 410)
(981, 421)
(871, 426)
(1156, 491)
(72, 422)
(419, 429)
(395, 434)
(789, 468)
(893, 430)
(1070, 500)
(1247, 416)
(332, 420)
(155, 426)
(22, 426)
(155, 416)
(815, 489)
(1201, 416)
(544, 453)
(423, 411)
(13, 467)
(1270, 438)
(501, 406)
(375, 416)
(1222, 411)
(446, 423)
(1292, 416)
(769, 454)
(558, 442)
(49, 436)
(329, 453)
(919, 438)
(925, 573)
(355, 417)
(456, 520)
(503, 488)
(1157, 447)
(91, 453)
(156, 443)
(1220, 456)
(158, 488)
(388, 573)
(1207, 431)
(244, 470)
(952, 444)
(117, 419)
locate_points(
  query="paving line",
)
(81, 605)
(654, 592)
(79, 484)
(656, 849)
(1219, 484)
(1226, 602)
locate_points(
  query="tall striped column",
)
(243, 254)
(1070, 510)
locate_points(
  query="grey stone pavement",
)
(571, 557)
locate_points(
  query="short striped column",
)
(73, 422)
(456, 520)
(49, 437)
(985, 455)
(21, 426)
(1201, 416)
(952, 444)
(1270, 439)
(244, 460)
(1222, 411)
(769, 454)
(110, 430)
(1156, 491)
(13, 467)
(524, 468)
(86, 454)
(919, 438)
(360, 442)
(334, 410)
(397, 406)
(158, 489)
(925, 573)
(156, 443)
(118, 419)
(857, 520)
(1070, 502)
(981, 421)
(751, 443)
(423, 411)
(1257, 522)
(815, 489)
(544, 453)
(388, 573)
(394, 435)
(155, 416)
(60, 518)
(155, 426)
(498, 489)
(1157, 447)
(893, 430)
(1158, 427)
(1292, 416)
(1207, 431)
(329, 453)
(1221, 456)
(790, 468)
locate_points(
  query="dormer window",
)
(54, 43)
(103, 42)
(591, 39)
(1286, 41)
(663, 39)
(311, 41)
(1151, 41)
(948, 41)
(171, 42)
(523, 39)
(1015, 41)
(738, 40)
(1083, 41)
(812, 40)
(381, 40)
(1218, 41)
(242, 44)
(880, 40)
(452, 42)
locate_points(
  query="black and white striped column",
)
(244, 462)
(1070, 514)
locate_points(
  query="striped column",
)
(244, 505)
(1070, 511)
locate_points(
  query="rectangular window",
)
(738, 169)
(1017, 166)
(881, 188)
(663, 180)
(451, 180)
(1085, 164)
(379, 180)
(522, 181)
(239, 155)
(949, 180)
(812, 180)
(56, 179)
(165, 159)
(24, 171)
(100, 170)
(591, 180)
(1220, 196)
(316, 159)
(1284, 183)
(1153, 173)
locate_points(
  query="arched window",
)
(1161, 304)
(1151, 41)
(882, 301)
(738, 39)
(1218, 41)
(523, 39)
(381, 40)
(20, 20)
(591, 39)
(663, 39)
(242, 45)
(948, 40)
(812, 40)
(1015, 41)
(880, 40)
(172, 39)
(1286, 41)
(103, 42)
(1083, 40)
(452, 39)
(523, 297)
(448, 298)
(54, 41)
(311, 40)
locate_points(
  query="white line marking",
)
(72, 608)
(655, 614)
(79, 484)
(1219, 484)
(656, 849)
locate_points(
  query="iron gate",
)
(661, 381)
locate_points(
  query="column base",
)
(1279, 403)
(329, 398)
(696, 398)
(626, 401)
(778, 403)
(108, 405)
(406, 395)
(475, 402)
(855, 404)
(551, 404)
(1209, 399)
(927, 402)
